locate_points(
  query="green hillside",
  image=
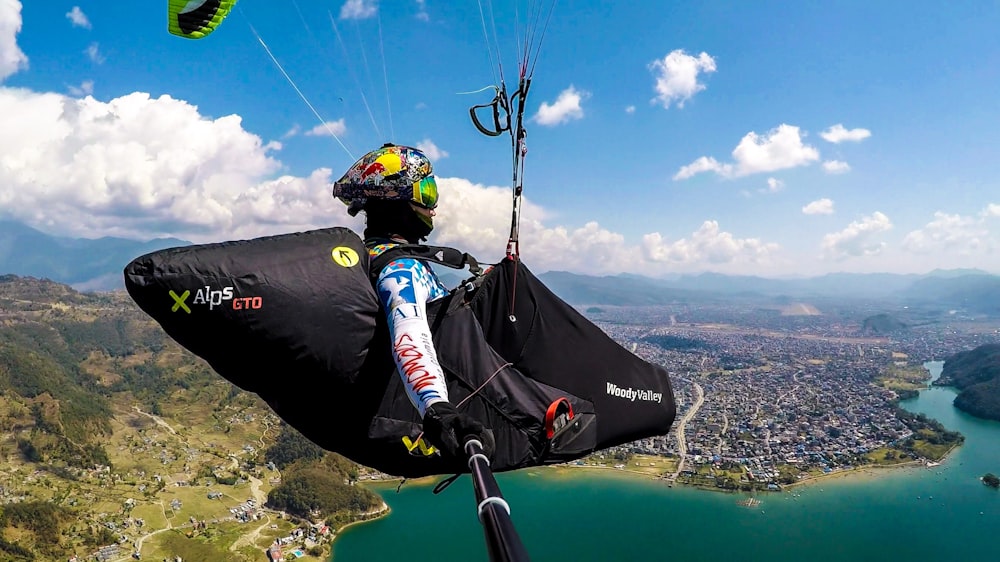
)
(977, 374)
(115, 439)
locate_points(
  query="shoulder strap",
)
(449, 257)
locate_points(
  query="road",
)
(259, 497)
(140, 540)
(249, 539)
(681, 444)
(159, 421)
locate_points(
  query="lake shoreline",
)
(384, 512)
(575, 470)
(854, 473)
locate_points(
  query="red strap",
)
(550, 415)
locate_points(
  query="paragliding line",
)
(385, 78)
(298, 91)
(504, 106)
(489, 48)
(502, 540)
(473, 393)
(350, 67)
(319, 46)
(538, 48)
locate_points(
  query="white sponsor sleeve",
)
(404, 289)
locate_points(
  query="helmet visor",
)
(425, 193)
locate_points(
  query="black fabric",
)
(315, 347)
(262, 307)
(388, 217)
(550, 342)
(448, 429)
(317, 328)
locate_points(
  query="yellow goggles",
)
(425, 193)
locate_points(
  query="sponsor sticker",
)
(179, 303)
(421, 445)
(344, 256)
(633, 394)
(214, 298)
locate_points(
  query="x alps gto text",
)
(213, 298)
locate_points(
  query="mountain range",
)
(96, 265)
(83, 263)
(967, 289)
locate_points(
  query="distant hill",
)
(973, 291)
(614, 290)
(96, 265)
(976, 374)
(881, 324)
(977, 292)
(867, 285)
(86, 264)
(49, 331)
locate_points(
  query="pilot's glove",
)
(448, 430)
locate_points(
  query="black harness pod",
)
(295, 319)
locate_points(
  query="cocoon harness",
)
(295, 319)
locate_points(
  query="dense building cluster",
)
(778, 397)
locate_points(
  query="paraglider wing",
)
(195, 19)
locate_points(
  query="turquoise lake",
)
(939, 513)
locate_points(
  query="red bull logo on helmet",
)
(389, 172)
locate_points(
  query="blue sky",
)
(765, 138)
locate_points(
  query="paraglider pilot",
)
(396, 189)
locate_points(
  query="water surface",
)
(940, 513)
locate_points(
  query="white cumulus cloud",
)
(838, 134)
(477, 218)
(822, 206)
(630, 109)
(860, 238)
(84, 89)
(432, 151)
(836, 167)
(12, 58)
(779, 149)
(93, 53)
(677, 76)
(774, 185)
(78, 18)
(328, 129)
(358, 9)
(565, 108)
(704, 164)
(141, 167)
(991, 210)
(709, 244)
(951, 234)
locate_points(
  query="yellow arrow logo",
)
(344, 256)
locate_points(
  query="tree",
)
(290, 447)
(991, 480)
